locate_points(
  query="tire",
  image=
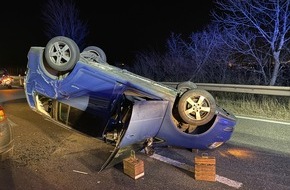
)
(61, 53)
(196, 107)
(100, 55)
(185, 86)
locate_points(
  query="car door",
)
(144, 123)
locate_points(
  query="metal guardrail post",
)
(20, 80)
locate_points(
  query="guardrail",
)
(18, 80)
(251, 89)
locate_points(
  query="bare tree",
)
(208, 55)
(62, 19)
(259, 29)
(248, 44)
(147, 63)
(199, 58)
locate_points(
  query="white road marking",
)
(264, 120)
(12, 123)
(190, 168)
(228, 182)
(173, 162)
(77, 171)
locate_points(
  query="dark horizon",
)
(119, 29)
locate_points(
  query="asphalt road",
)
(47, 156)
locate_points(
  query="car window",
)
(63, 113)
(74, 116)
(91, 124)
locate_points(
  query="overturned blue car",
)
(129, 112)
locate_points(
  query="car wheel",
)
(61, 53)
(185, 86)
(98, 54)
(196, 107)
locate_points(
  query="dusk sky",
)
(120, 29)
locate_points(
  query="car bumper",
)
(6, 140)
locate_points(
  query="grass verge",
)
(254, 105)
